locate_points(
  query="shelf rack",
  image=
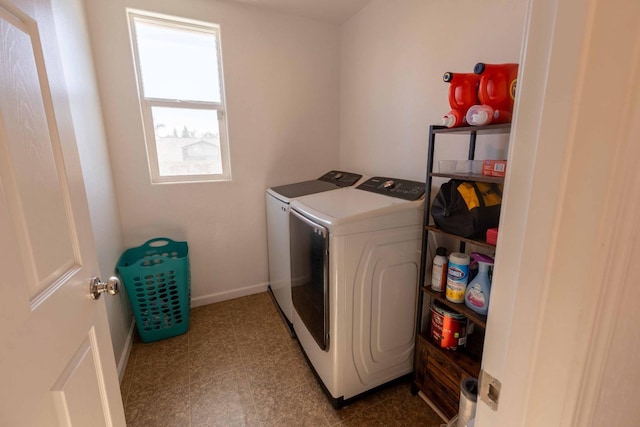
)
(437, 371)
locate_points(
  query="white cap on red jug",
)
(479, 115)
(449, 120)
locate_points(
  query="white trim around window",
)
(182, 98)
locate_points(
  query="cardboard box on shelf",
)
(494, 168)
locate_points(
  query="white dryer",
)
(278, 199)
(355, 257)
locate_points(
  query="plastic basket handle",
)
(158, 242)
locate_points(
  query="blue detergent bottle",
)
(478, 291)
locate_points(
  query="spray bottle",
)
(478, 291)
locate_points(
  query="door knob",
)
(97, 287)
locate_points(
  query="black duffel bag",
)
(467, 208)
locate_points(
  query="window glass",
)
(177, 64)
(187, 140)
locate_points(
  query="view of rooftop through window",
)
(188, 141)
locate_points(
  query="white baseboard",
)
(227, 295)
(126, 351)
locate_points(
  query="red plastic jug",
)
(463, 93)
(497, 87)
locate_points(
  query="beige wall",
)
(301, 96)
(392, 58)
(281, 75)
(94, 156)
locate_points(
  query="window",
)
(179, 72)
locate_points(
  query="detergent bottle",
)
(476, 296)
(439, 270)
(463, 93)
(496, 93)
(497, 86)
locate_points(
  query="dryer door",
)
(309, 244)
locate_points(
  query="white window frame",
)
(146, 104)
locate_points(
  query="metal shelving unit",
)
(437, 372)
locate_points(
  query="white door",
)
(56, 362)
(563, 338)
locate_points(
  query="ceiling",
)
(333, 11)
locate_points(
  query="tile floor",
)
(237, 366)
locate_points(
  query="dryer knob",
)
(389, 184)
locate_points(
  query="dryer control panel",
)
(400, 188)
(341, 179)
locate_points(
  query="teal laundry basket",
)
(157, 279)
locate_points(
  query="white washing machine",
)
(278, 199)
(355, 260)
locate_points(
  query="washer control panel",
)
(341, 179)
(400, 188)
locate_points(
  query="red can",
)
(448, 328)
